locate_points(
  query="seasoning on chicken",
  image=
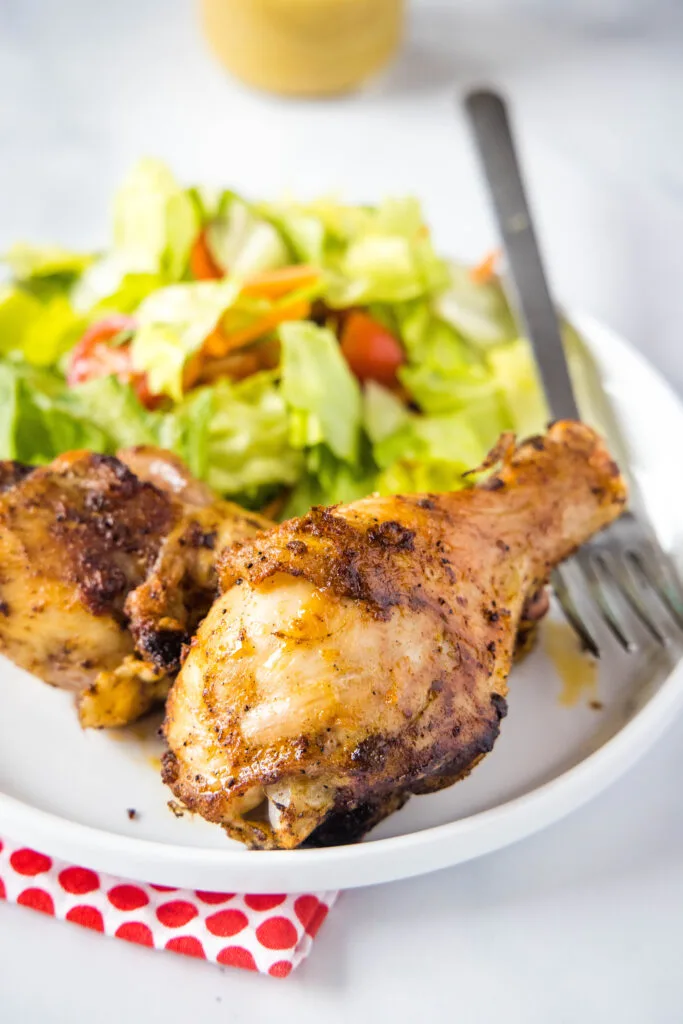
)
(77, 539)
(360, 654)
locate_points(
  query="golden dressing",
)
(155, 763)
(578, 671)
(304, 47)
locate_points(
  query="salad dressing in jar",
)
(304, 47)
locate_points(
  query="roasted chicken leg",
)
(82, 543)
(361, 653)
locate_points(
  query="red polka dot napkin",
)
(271, 934)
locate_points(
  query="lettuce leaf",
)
(383, 412)
(244, 244)
(185, 430)
(18, 310)
(319, 387)
(480, 312)
(371, 254)
(410, 477)
(27, 261)
(114, 408)
(173, 323)
(52, 333)
(108, 286)
(433, 439)
(388, 258)
(40, 331)
(328, 480)
(37, 420)
(303, 232)
(155, 222)
(247, 437)
(443, 373)
(428, 453)
(518, 381)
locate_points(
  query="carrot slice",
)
(485, 271)
(202, 264)
(219, 343)
(274, 284)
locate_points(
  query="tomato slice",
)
(203, 267)
(372, 352)
(93, 356)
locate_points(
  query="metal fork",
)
(621, 579)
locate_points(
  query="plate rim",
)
(380, 860)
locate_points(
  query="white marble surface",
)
(583, 922)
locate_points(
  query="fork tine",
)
(598, 591)
(563, 594)
(620, 574)
(656, 573)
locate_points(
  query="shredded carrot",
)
(485, 271)
(219, 343)
(271, 285)
(275, 284)
(202, 264)
(192, 370)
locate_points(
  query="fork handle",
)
(493, 135)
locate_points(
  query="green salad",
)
(291, 353)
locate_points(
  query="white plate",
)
(67, 792)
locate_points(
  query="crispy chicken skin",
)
(361, 653)
(78, 539)
(163, 612)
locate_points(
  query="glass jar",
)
(304, 47)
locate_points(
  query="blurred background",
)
(597, 87)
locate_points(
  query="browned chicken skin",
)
(81, 543)
(361, 653)
(164, 611)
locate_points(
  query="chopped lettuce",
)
(411, 477)
(328, 480)
(371, 254)
(32, 261)
(186, 431)
(18, 310)
(442, 373)
(155, 222)
(210, 201)
(383, 412)
(305, 431)
(304, 233)
(248, 444)
(433, 439)
(480, 312)
(318, 385)
(518, 381)
(244, 244)
(54, 332)
(387, 268)
(173, 324)
(387, 258)
(107, 285)
(41, 331)
(416, 452)
(114, 409)
(37, 419)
